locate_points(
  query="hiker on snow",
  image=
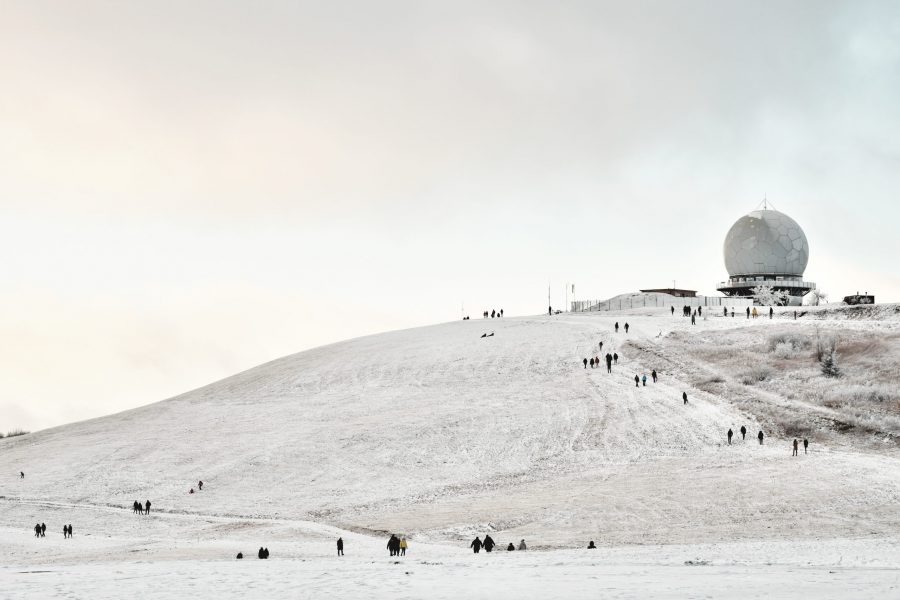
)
(653, 375)
(730, 433)
(759, 436)
(340, 546)
(476, 545)
(795, 447)
(684, 397)
(637, 381)
(585, 363)
(743, 432)
(488, 543)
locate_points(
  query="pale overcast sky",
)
(188, 189)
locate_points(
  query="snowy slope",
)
(440, 433)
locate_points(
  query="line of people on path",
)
(489, 544)
(493, 314)
(760, 436)
(139, 508)
(40, 530)
(595, 361)
(617, 327)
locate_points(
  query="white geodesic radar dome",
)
(766, 242)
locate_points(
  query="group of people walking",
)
(617, 327)
(396, 545)
(643, 378)
(139, 508)
(493, 313)
(611, 359)
(489, 544)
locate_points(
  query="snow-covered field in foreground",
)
(440, 434)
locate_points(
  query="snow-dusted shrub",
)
(859, 394)
(756, 374)
(15, 432)
(784, 350)
(829, 365)
(797, 341)
(794, 426)
(825, 346)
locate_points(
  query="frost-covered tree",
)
(768, 296)
(817, 297)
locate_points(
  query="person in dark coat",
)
(673, 310)
(22, 473)
(592, 362)
(511, 547)
(796, 444)
(748, 312)
(637, 381)
(261, 554)
(147, 507)
(615, 358)
(200, 485)
(340, 546)
(653, 375)
(488, 543)
(699, 311)
(240, 555)
(601, 346)
(626, 327)
(37, 530)
(684, 397)
(476, 545)
(617, 327)
(70, 530)
(805, 446)
(585, 363)
(43, 530)
(591, 545)
(693, 319)
(730, 433)
(65, 531)
(394, 545)
(743, 432)
(771, 312)
(759, 436)
(724, 311)
(135, 506)
(608, 362)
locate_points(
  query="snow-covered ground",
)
(441, 435)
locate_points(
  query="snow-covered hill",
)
(442, 434)
(439, 432)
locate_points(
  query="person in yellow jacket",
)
(403, 546)
(755, 314)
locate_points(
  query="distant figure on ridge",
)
(340, 546)
(501, 312)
